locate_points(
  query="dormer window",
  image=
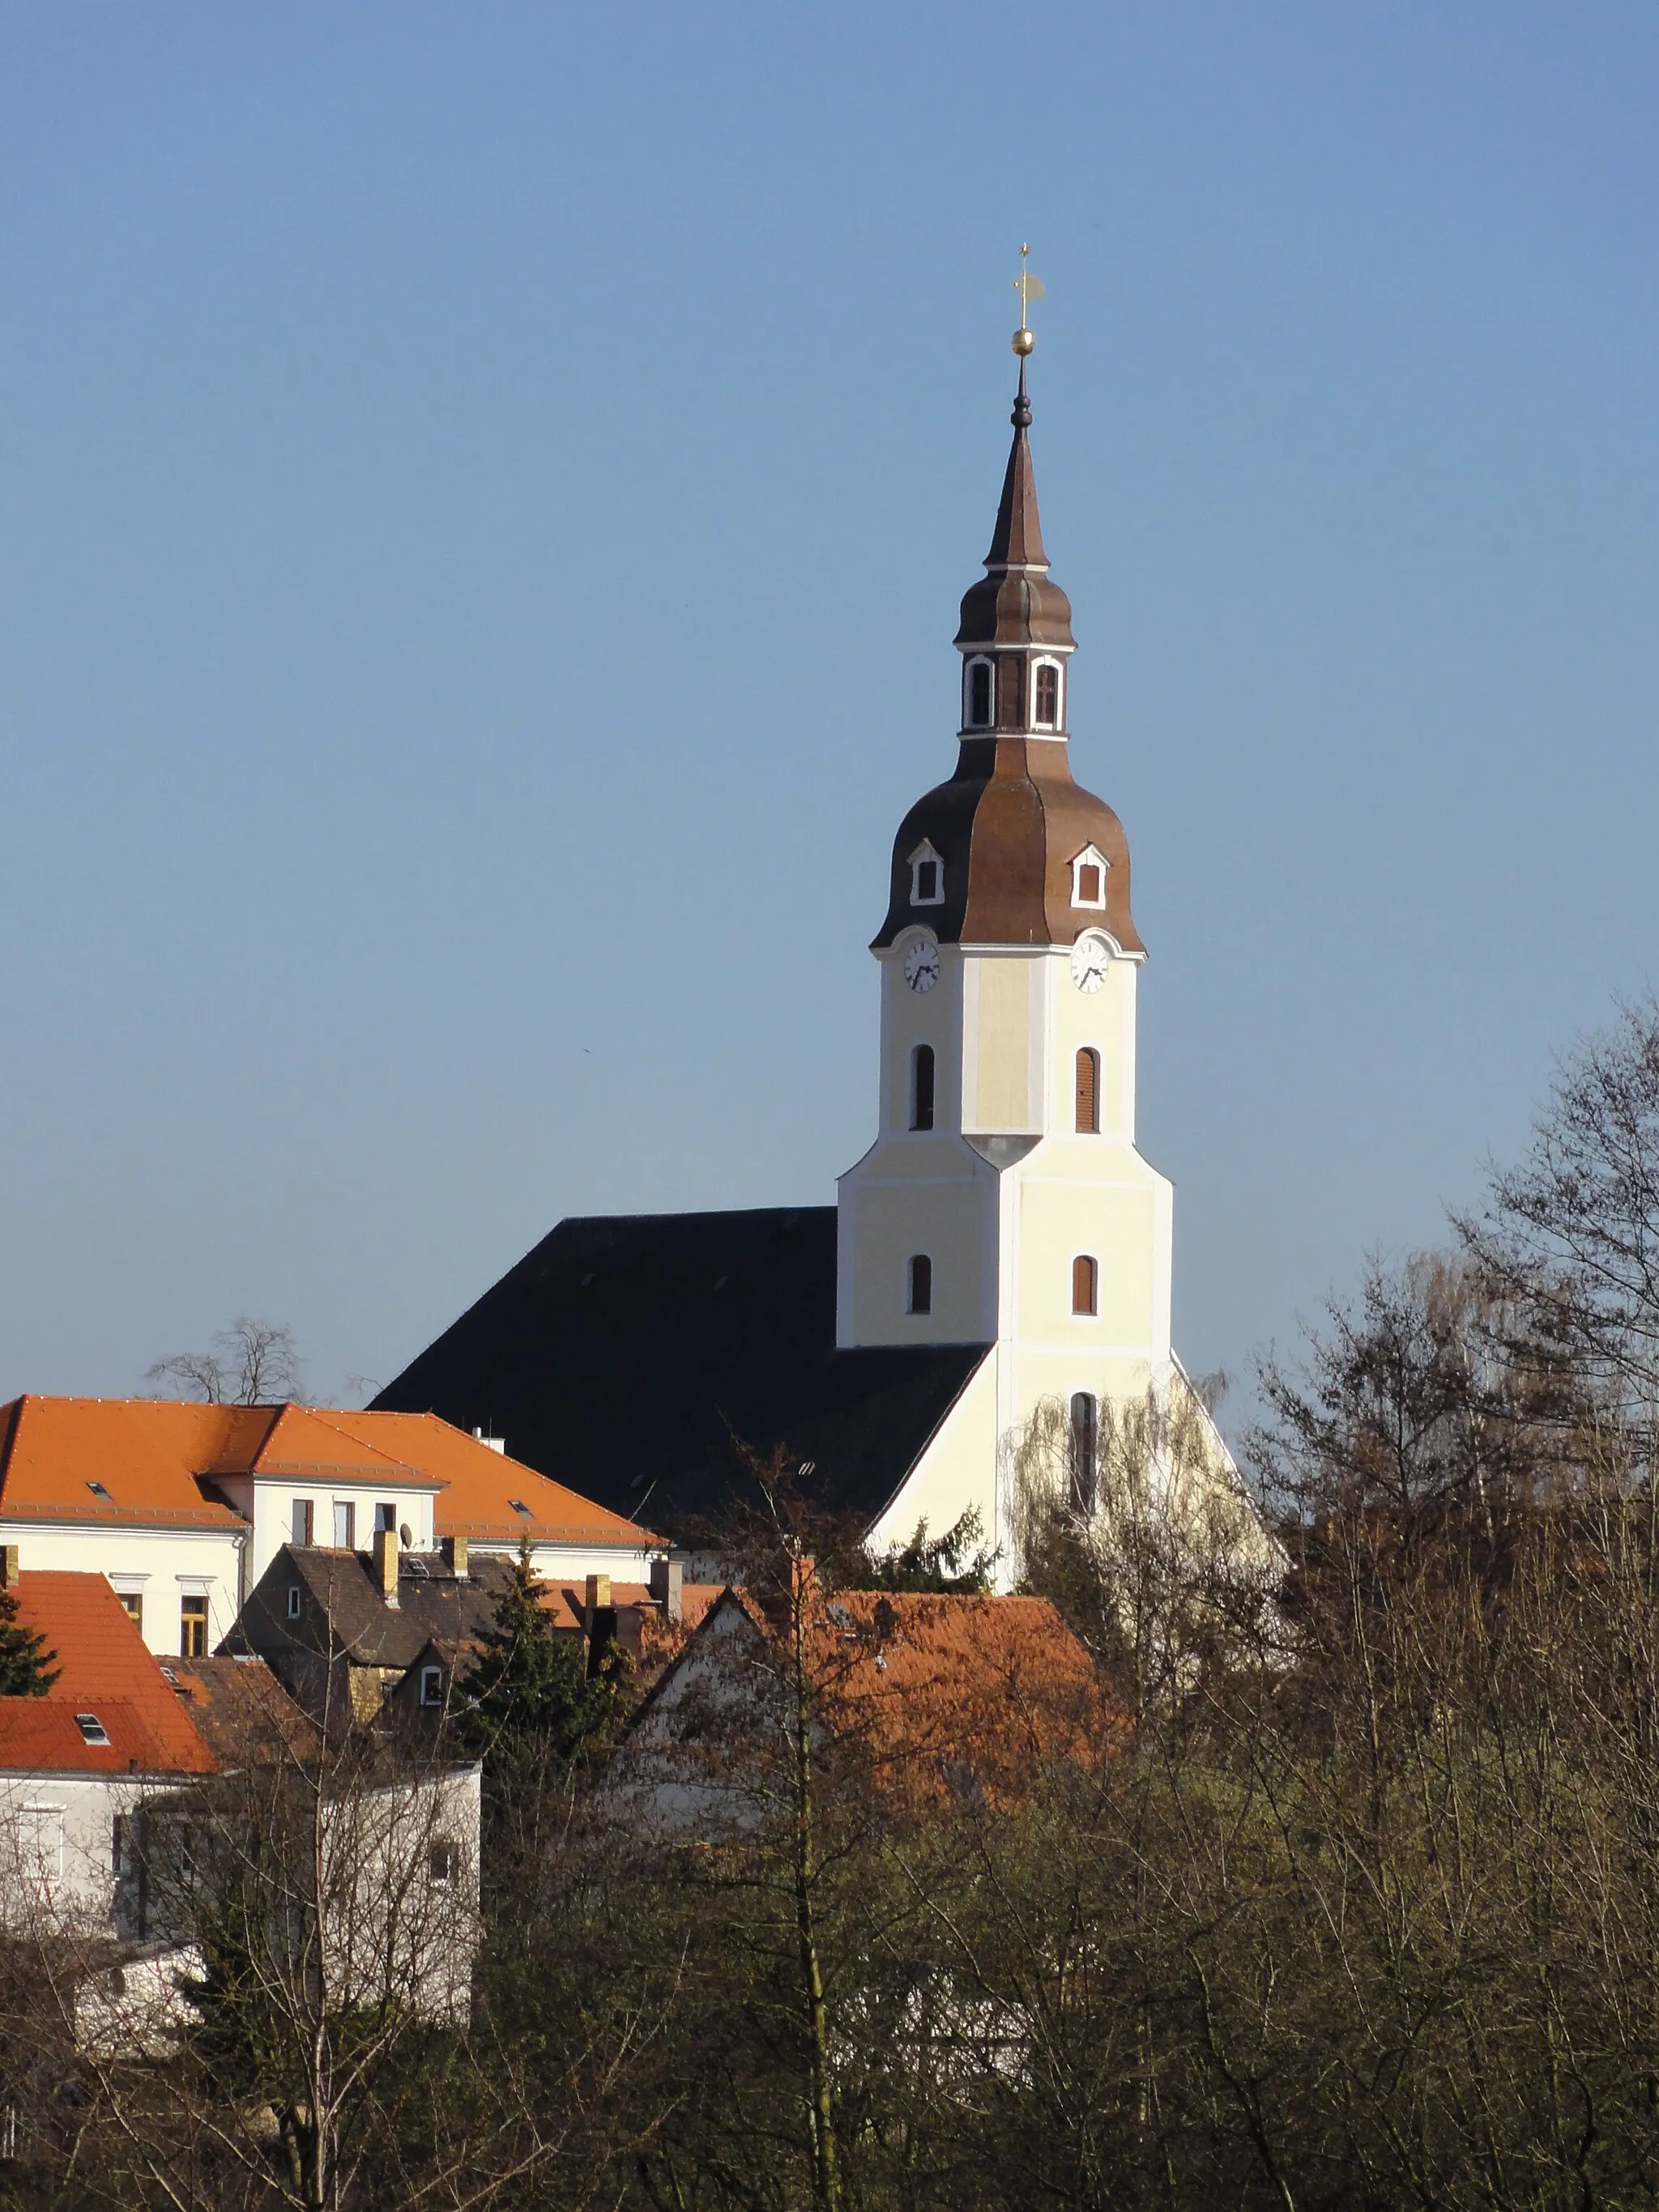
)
(926, 877)
(1045, 695)
(1089, 878)
(977, 689)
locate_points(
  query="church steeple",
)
(991, 857)
(1015, 606)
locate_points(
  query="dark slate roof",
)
(623, 1353)
(343, 1613)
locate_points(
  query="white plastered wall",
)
(160, 1566)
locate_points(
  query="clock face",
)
(921, 963)
(1089, 958)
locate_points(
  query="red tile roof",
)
(105, 1670)
(155, 1461)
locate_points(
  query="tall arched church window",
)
(976, 712)
(1045, 695)
(1085, 1452)
(1085, 1284)
(922, 1087)
(921, 1300)
(926, 876)
(1088, 1092)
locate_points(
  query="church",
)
(999, 1258)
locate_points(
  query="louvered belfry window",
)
(1085, 1284)
(1088, 1092)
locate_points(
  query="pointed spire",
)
(1014, 604)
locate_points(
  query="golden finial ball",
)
(1023, 340)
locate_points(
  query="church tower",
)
(1003, 1201)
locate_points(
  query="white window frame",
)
(918, 860)
(296, 1601)
(432, 1678)
(1048, 660)
(987, 662)
(1090, 856)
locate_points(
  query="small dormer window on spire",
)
(978, 691)
(1089, 877)
(926, 876)
(1045, 695)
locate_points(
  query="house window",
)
(978, 716)
(441, 1860)
(921, 1284)
(385, 1519)
(1085, 1284)
(192, 1627)
(1085, 1452)
(926, 877)
(132, 1604)
(304, 1522)
(296, 1601)
(432, 1685)
(1088, 1092)
(119, 1861)
(922, 1087)
(345, 1525)
(1046, 703)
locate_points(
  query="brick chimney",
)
(385, 1564)
(9, 1569)
(454, 1551)
(597, 1596)
(665, 1587)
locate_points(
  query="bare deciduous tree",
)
(252, 1363)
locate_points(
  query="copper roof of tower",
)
(1014, 603)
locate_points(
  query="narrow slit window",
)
(1088, 1092)
(296, 1601)
(921, 1284)
(1085, 1284)
(1048, 695)
(1086, 1452)
(979, 695)
(922, 1087)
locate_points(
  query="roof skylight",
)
(518, 1506)
(92, 1727)
(97, 1488)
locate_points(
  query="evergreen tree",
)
(24, 1668)
(529, 1687)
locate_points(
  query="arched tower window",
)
(1085, 1451)
(920, 1299)
(976, 705)
(1085, 1284)
(922, 1087)
(1088, 1092)
(1045, 695)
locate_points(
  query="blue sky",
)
(484, 499)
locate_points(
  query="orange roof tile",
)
(145, 1453)
(480, 1485)
(155, 1459)
(105, 1669)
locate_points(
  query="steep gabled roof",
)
(106, 1671)
(931, 1694)
(624, 1351)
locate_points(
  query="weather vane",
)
(1029, 287)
